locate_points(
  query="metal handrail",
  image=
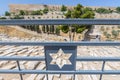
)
(20, 58)
(80, 43)
(39, 58)
(84, 43)
(92, 72)
(61, 22)
(22, 71)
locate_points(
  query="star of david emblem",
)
(60, 58)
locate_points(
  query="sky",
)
(113, 3)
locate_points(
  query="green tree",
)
(45, 11)
(38, 12)
(17, 17)
(7, 13)
(43, 28)
(68, 14)
(103, 11)
(3, 18)
(63, 8)
(22, 12)
(118, 9)
(52, 28)
(57, 31)
(64, 28)
(37, 29)
(115, 33)
(47, 29)
(78, 12)
(108, 36)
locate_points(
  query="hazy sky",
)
(4, 3)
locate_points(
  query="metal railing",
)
(61, 44)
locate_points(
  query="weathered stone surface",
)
(94, 77)
(87, 77)
(78, 77)
(56, 78)
(40, 77)
(15, 79)
(31, 64)
(31, 77)
(1, 78)
(41, 66)
(9, 66)
(50, 77)
(66, 77)
(3, 63)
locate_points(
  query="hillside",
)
(18, 32)
(13, 32)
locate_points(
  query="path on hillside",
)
(93, 31)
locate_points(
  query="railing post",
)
(46, 64)
(103, 65)
(75, 68)
(21, 78)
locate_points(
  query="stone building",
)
(54, 11)
(15, 8)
